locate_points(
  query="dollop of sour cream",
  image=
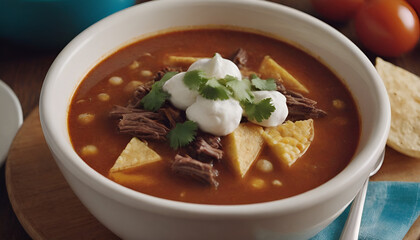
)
(278, 100)
(219, 117)
(216, 67)
(181, 96)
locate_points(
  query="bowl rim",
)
(105, 186)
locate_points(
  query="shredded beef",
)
(134, 113)
(240, 57)
(172, 115)
(143, 128)
(138, 94)
(206, 148)
(300, 107)
(140, 123)
(145, 88)
(203, 172)
(159, 74)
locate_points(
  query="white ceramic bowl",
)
(133, 215)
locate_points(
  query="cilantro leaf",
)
(213, 90)
(260, 84)
(194, 79)
(182, 134)
(258, 111)
(156, 97)
(240, 89)
(166, 77)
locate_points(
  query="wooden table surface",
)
(24, 68)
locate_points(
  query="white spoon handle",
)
(352, 226)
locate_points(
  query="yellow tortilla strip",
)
(243, 147)
(135, 154)
(131, 179)
(179, 60)
(271, 69)
(290, 140)
(403, 90)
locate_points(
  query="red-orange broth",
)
(335, 141)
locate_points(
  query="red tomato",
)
(337, 10)
(387, 27)
(415, 4)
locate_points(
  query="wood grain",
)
(41, 198)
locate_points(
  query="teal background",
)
(52, 23)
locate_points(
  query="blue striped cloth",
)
(390, 210)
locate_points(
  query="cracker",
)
(403, 90)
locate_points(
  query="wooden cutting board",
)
(44, 203)
(48, 209)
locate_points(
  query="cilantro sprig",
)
(212, 89)
(231, 86)
(156, 97)
(194, 79)
(241, 90)
(258, 111)
(263, 85)
(182, 134)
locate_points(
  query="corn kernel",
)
(103, 97)
(115, 80)
(89, 150)
(131, 86)
(339, 104)
(341, 121)
(277, 183)
(134, 65)
(86, 118)
(146, 73)
(257, 183)
(264, 165)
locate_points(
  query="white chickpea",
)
(146, 73)
(86, 118)
(277, 183)
(257, 183)
(339, 104)
(131, 86)
(134, 65)
(341, 121)
(264, 165)
(115, 80)
(103, 97)
(89, 150)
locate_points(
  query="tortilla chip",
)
(240, 153)
(403, 90)
(271, 69)
(135, 154)
(290, 140)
